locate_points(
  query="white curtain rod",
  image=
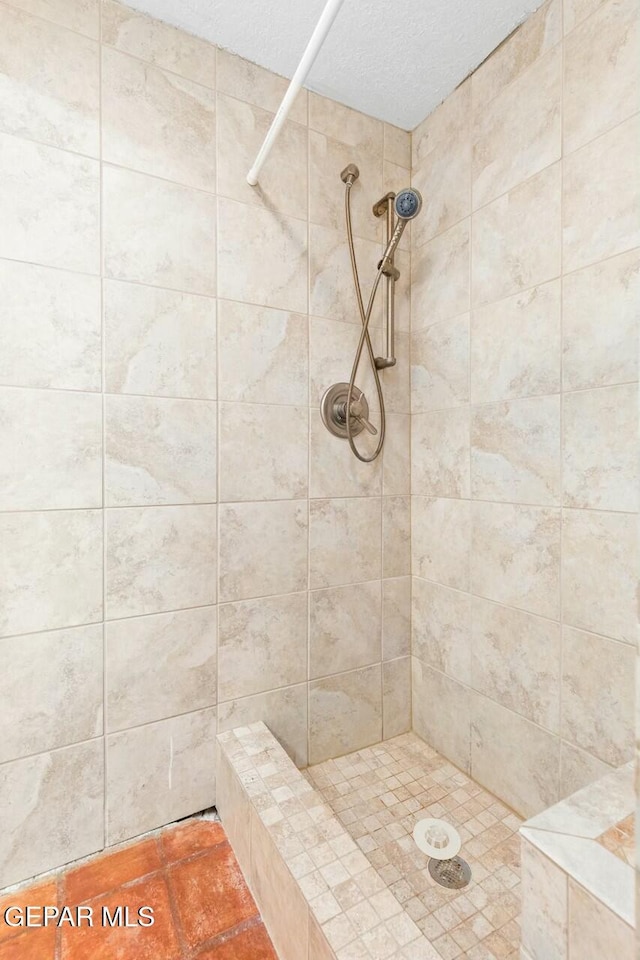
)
(323, 26)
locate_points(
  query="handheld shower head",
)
(408, 204)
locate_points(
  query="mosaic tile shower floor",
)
(380, 792)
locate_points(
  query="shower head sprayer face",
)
(408, 203)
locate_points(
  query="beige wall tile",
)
(518, 133)
(578, 769)
(344, 541)
(575, 11)
(249, 661)
(441, 126)
(600, 430)
(247, 81)
(441, 540)
(159, 773)
(82, 16)
(444, 179)
(396, 536)
(262, 257)
(601, 196)
(159, 559)
(544, 906)
(599, 553)
(515, 451)
(595, 931)
(133, 32)
(263, 549)
(441, 635)
(335, 471)
(284, 711)
(396, 455)
(332, 347)
(440, 277)
(327, 159)
(515, 345)
(347, 125)
(396, 618)
(345, 628)
(50, 570)
(53, 442)
(440, 453)
(596, 354)
(397, 145)
(396, 380)
(601, 72)
(515, 556)
(331, 289)
(158, 233)
(396, 697)
(233, 805)
(40, 796)
(157, 122)
(40, 96)
(516, 660)
(50, 202)
(441, 713)
(263, 354)
(159, 666)
(52, 695)
(440, 366)
(513, 758)
(345, 713)
(278, 438)
(598, 691)
(159, 342)
(505, 257)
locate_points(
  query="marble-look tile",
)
(50, 202)
(441, 629)
(278, 440)
(50, 570)
(515, 345)
(53, 441)
(159, 773)
(345, 628)
(396, 536)
(332, 347)
(518, 133)
(247, 81)
(441, 126)
(159, 559)
(158, 233)
(49, 328)
(440, 366)
(241, 129)
(159, 342)
(601, 72)
(601, 194)
(249, 661)
(595, 931)
(327, 158)
(165, 46)
(396, 380)
(331, 288)
(440, 453)
(591, 811)
(284, 711)
(345, 713)
(263, 549)
(40, 97)
(346, 125)
(544, 906)
(513, 758)
(441, 540)
(516, 451)
(233, 806)
(396, 455)
(52, 695)
(539, 33)
(506, 258)
(396, 618)
(397, 145)
(578, 769)
(262, 256)
(159, 451)
(159, 666)
(81, 16)
(344, 541)
(157, 122)
(40, 796)
(444, 179)
(598, 689)
(516, 660)
(396, 697)
(263, 354)
(335, 471)
(515, 556)
(600, 429)
(599, 557)
(597, 354)
(440, 277)
(441, 713)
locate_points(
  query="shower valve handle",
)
(358, 414)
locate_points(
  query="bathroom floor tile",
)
(105, 873)
(32, 945)
(194, 837)
(249, 944)
(42, 894)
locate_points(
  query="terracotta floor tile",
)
(251, 944)
(190, 838)
(211, 895)
(34, 944)
(44, 894)
(99, 876)
(158, 942)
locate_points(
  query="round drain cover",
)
(437, 838)
(454, 873)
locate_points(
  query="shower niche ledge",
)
(578, 878)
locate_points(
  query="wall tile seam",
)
(308, 681)
(535, 506)
(55, 23)
(219, 503)
(479, 404)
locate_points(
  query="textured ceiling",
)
(393, 59)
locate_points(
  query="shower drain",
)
(454, 873)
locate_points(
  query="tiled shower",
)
(184, 548)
